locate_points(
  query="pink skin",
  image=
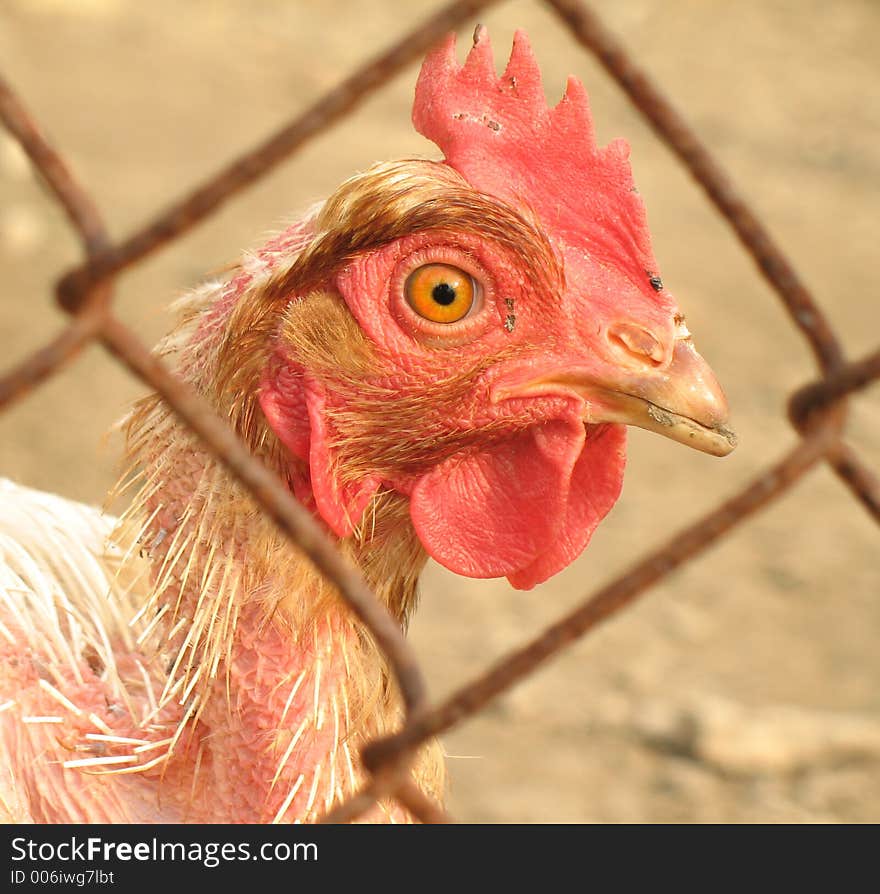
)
(234, 766)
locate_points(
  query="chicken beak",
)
(682, 401)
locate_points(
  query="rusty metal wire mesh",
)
(818, 410)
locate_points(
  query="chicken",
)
(440, 360)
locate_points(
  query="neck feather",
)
(259, 649)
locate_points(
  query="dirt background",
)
(743, 688)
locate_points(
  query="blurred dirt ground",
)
(744, 688)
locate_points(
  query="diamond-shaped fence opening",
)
(817, 410)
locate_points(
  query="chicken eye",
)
(440, 293)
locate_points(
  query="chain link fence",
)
(817, 410)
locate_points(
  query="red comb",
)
(502, 137)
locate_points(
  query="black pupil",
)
(443, 293)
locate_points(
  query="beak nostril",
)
(638, 343)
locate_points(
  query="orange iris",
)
(440, 293)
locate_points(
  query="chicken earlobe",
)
(295, 407)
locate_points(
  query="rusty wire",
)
(86, 221)
(817, 410)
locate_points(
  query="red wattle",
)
(523, 508)
(595, 485)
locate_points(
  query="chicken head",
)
(473, 334)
